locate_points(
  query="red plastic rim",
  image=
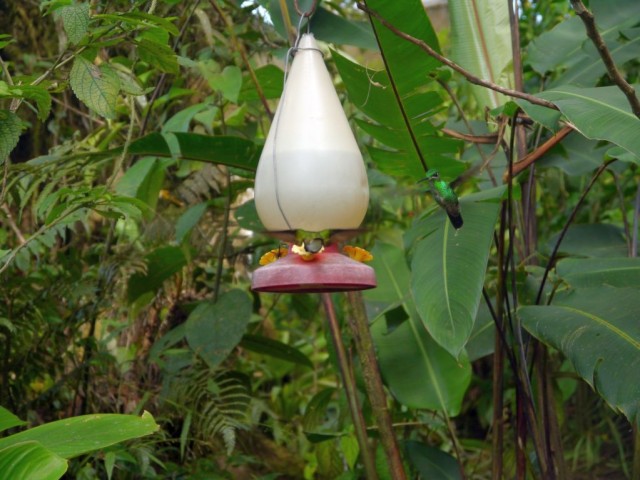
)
(329, 271)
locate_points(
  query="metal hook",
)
(307, 14)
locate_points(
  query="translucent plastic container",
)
(311, 175)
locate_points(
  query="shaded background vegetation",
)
(131, 132)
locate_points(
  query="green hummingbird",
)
(444, 196)
(314, 241)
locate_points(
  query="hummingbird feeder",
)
(311, 178)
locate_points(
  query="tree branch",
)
(489, 139)
(592, 32)
(537, 153)
(454, 66)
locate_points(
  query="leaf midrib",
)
(621, 333)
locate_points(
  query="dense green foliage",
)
(129, 136)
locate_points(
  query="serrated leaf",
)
(96, 86)
(157, 55)
(75, 19)
(10, 129)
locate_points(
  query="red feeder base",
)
(329, 271)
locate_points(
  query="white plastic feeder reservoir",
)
(311, 175)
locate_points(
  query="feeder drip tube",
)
(290, 53)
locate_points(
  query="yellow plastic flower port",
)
(358, 254)
(306, 256)
(273, 255)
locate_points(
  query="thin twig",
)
(454, 66)
(489, 139)
(223, 240)
(625, 222)
(568, 223)
(13, 224)
(77, 111)
(636, 214)
(5, 70)
(497, 438)
(127, 143)
(592, 32)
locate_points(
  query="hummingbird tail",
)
(456, 220)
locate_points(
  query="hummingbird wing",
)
(338, 236)
(288, 236)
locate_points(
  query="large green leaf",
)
(214, 329)
(591, 240)
(448, 270)
(30, 460)
(74, 436)
(599, 113)
(399, 99)
(567, 46)
(481, 43)
(593, 272)
(576, 155)
(623, 47)
(372, 93)
(418, 372)
(598, 330)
